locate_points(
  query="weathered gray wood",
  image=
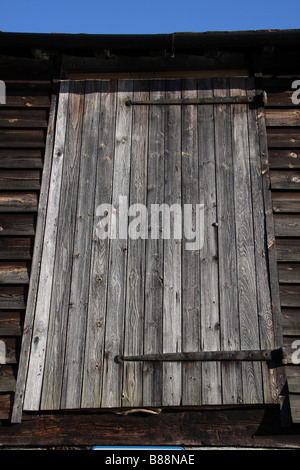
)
(39, 341)
(249, 334)
(210, 319)
(99, 275)
(191, 303)
(79, 289)
(264, 303)
(152, 374)
(62, 254)
(229, 312)
(112, 378)
(135, 284)
(272, 261)
(142, 296)
(172, 250)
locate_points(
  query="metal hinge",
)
(275, 355)
(257, 100)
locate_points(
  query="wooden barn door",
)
(94, 301)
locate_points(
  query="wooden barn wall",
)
(283, 133)
(23, 128)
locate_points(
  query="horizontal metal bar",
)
(260, 99)
(277, 355)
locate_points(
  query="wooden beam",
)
(243, 426)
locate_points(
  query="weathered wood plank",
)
(281, 98)
(287, 180)
(16, 248)
(22, 138)
(112, 379)
(99, 275)
(290, 321)
(247, 294)
(63, 253)
(295, 407)
(225, 427)
(41, 300)
(13, 297)
(229, 323)
(286, 202)
(282, 117)
(19, 179)
(152, 374)
(272, 266)
(7, 378)
(15, 117)
(289, 273)
(79, 289)
(26, 98)
(287, 225)
(21, 158)
(288, 249)
(287, 137)
(11, 322)
(209, 311)
(134, 319)
(14, 273)
(18, 202)
(284, 158)
(191, 299)
(261, 272)
(290, 295)
(23, 225)
(172, 250)
(293, 376)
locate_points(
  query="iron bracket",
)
(275, 355)
(257, 100)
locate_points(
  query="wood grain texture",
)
(42, 308)
(229, 311)
(191, 287)
(209, 277)
(171, 329)
(143, 291)
(154, 262)
(114, 330)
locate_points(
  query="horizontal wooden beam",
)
(252, 427)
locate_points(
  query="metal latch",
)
(257, 100)
(275, 355)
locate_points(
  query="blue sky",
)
(148, 17)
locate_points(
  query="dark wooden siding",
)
(283, 131)
(23, 129)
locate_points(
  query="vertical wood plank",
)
(96, 316)
(229, 313)
(134, 321)
(210, 321)
(264, 303)
(76, 327)
(39, 336)
(62, 255)
(251, 371)
(35, 268)
(272, 267)
(191, 303)
(114, 329)
(172, 250)
(152, 372)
